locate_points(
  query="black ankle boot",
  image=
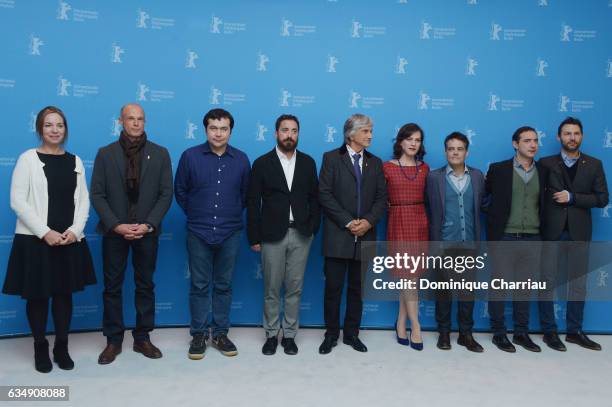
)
(61, 356)
(42, 362)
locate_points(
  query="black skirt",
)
(37, 270)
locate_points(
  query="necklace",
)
(409, 177)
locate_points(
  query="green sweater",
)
(525, 209)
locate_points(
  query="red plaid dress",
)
(407, 223)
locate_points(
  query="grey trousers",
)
(283, 264)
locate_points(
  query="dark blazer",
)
(269, 198)
(589, 190)
(498, 185)
(109, 192)
(338, 199)
(436, 195)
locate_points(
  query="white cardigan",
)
(30, 198)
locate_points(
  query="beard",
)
(570, 148)
(287, 145)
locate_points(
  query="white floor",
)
(387, 375)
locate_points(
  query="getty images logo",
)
(35, 44)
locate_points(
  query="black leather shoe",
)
(61, 355)
(579, 338)
(469, 342)
(553, 341)
(289, 345)
(525, 341)
(327, 345)
(109, 353)
(502, 343)
(269, 347)
(42, 362)
(355, 343)
(444, 341)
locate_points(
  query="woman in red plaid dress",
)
(407, 226)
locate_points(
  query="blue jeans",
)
(211, 264)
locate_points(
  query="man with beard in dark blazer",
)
(576, 183)
(282, 218)
(353, 196)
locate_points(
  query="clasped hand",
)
(359, 227)
(132, 231)
(53, 238)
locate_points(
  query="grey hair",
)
(354, 123)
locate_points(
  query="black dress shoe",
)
(469, 342)
(42, 361)
(289, 345)
(553, 341)
(579, 338)
(327, 345)
(354, 342)
(502, 343)
(525, 341)
(269, 347)
(444, 341)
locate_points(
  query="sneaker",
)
(197, 347)
(224, 345)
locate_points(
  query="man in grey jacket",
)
(131, 190)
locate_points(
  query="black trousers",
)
(336, 271)
(115, 250)
(516, 262)
(465, 298)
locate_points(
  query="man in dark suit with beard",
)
(576, 183)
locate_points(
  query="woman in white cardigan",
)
(50, 258)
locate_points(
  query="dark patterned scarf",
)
(133, 149)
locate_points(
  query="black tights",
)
(38, 310)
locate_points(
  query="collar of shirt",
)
(229, 150)
(569, 162)
(517, 164)
(353, 152)
(283, 157)
(449, 171)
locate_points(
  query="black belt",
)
(521, 235)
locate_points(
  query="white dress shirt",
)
(288, 165)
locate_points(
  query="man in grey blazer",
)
(131, 190)
(353, 196)
(576, 183)
(455, 194)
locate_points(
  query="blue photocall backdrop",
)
(482, 67)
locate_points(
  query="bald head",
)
(132, 119)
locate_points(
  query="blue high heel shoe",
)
(401, 341)
(415, 345)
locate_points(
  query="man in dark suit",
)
(455, 194)
(516, 194)
(131, 190)
(282, 218)
(353, 195)
(576, 183)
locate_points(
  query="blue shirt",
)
(569, 162)
(211, 190)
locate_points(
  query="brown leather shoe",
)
(147, 349)
(109, 353)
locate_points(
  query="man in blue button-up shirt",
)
(211, 184)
